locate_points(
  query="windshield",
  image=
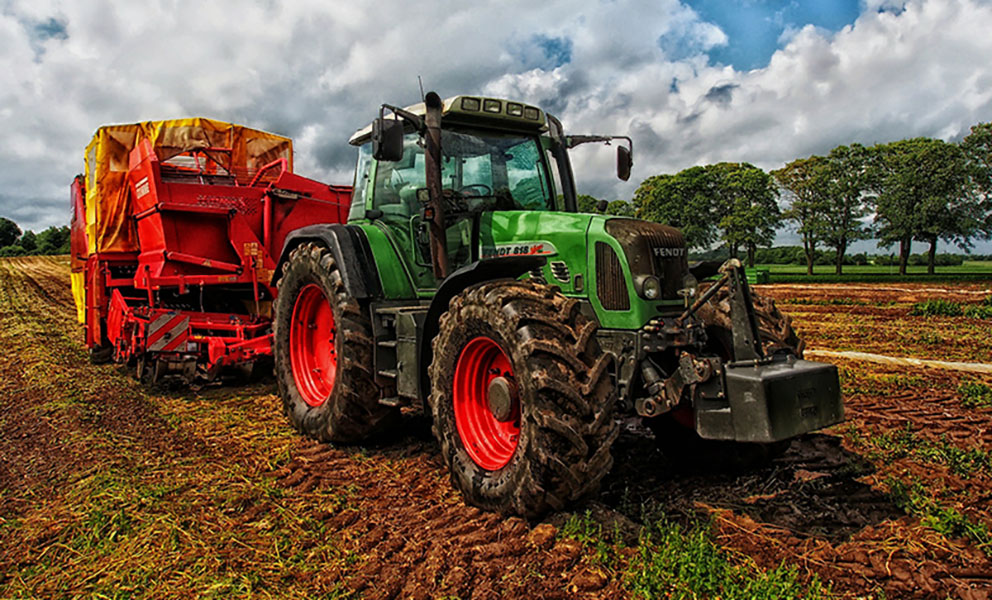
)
(481, 170)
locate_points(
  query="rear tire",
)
(552, 446)
(775, 327)
(323, 352)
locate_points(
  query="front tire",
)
(522, 400)
(323, 352)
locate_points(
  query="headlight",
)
(690, 284)
(649, 287)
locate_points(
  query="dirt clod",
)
(543, 536)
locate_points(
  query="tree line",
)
(13, 242)
(914, 190)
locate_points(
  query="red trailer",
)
(177, 228)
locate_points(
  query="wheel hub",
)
(502, 398)
(311, 345)
(486, 404)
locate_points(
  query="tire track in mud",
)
(418, 539)
(32, 450)
(52, 398)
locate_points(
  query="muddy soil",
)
(113, 489)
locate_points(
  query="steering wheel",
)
(473, 189)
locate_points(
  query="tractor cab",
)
(495, 156)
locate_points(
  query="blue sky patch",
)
(52, 28)
(557, 50)
(753, 27)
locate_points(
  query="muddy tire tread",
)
(352, 413)
(566, 381)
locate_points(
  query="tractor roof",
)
(479, 110)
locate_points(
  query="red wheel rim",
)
(311, 345)
(488, 441)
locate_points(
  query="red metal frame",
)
(197, 237)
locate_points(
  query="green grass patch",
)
(587, 531)
(672, 562)
(949, 522)
(969, 271)
(946, 308)
(975, 394)
(905, 443)
(936, 308)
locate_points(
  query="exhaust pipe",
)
(434, 213)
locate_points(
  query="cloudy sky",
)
(693, 82)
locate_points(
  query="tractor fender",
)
(351, 251)
(479, 271)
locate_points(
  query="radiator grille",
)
(653, 249)
(611, 288)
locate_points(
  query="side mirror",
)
(624, 162)
(387, 139)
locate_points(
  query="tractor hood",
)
(603, 258)
(652, 249)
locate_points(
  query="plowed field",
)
(109, 489)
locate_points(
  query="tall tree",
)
(28, 241)
(54, 240)
(846, 182)
(620, 208)
(977, 146)
(684, 200)
(925, 195)
(9, 232)
(586, 203)
(730, 202)
(804, 179)
(747, 204)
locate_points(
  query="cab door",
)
(395, 191)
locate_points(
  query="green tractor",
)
(466, 284)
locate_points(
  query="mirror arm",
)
(572, 141)
(409, 117)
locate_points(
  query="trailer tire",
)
(327, 386)
(101, 355)
(556, 407)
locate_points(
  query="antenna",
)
(421, 82)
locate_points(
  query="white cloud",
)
(318, 71)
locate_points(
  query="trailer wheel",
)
(101, 355)
(522, 400)
(323, 352)
(675, 431)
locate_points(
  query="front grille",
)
(653, 249)
(611, 287)
(671, 271)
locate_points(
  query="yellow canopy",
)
(239, 150)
